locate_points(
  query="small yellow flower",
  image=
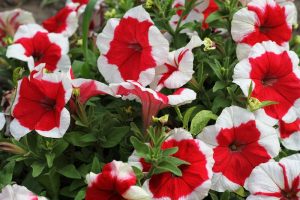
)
(149, 4)
(76, 92)
(208, 44)
(254, 104)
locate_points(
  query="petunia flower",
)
(40, 105)
(116, 181)
(275, 76)
(34, 45)
(87, 88)
(261, 20)
(80, 5)
(131, 48)
(195, 181)
(196, 14)
(17, 192)
(240, 141)
(290, 134)
(276, 180)
(10, 22)
(178, 69)
(152, 101)
(212, 7)
(65, 22)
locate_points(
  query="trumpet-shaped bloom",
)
(65, 22)
(240, 140)
(275, 76)
(261, 20)
(10, 22)
(178, 69)
(17, 192)
(195, 181)
(40, 105)
(276, 180)
(87, 88)
(36, 46)
(116, 181)
(290, 134)
(212, 7)
(151, 100)
(131, 48)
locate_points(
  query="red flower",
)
(131, 48)
(212, 7)
(39, 105)
(36, 46)
(10, 22)
(64, 22)
(276, 180)
(195, 181)
(290, 134)
(275, 76)
(262, 20)
(240, 141)
(87, 88)
(116, 182)
(151, 100)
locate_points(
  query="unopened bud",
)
(208, 44)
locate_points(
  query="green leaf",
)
(187, 116)
(201, 120)
(213, 196)
(225, 195)
(177, 161)
(168, 166)
(80, 195)
(114, 136)
(37, 168)
(241, 192)
(76, 67)
(69, 171)
(213, 17)
(7, 174)
(80, 139)
(96, 165)
(87, 15)
(170, 151)
(50, 159)
(218, 86)
(141, 148)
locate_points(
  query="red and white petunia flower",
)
(261, 20)
(40, 105)
(290, 134)
(178, 69)
(195, 181)
(116, 181)
(276, 180)
(80, 5)
(10, 22)
(65, 22)
(152, 101)
(34, 45)
(196, 14)
(240, 141)
(212, 7)
(87, 88)
(17, 192)
(275, 76)
(131, 48)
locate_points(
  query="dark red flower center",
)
(135, 46)
(37, 56)
(289, 195)
(235, 147)
(48, 104)
(269, 81)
